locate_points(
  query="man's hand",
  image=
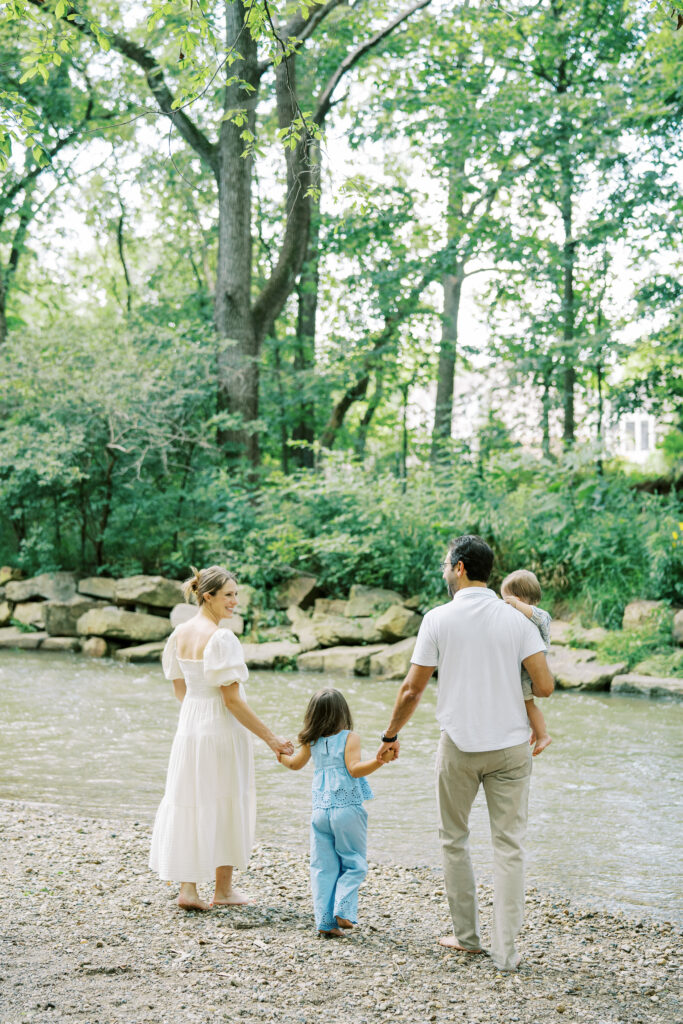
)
(388, 752)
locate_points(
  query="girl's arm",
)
(357, 768)
(179, 688)
(297, 760)
(251, 721)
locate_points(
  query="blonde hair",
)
(522, 584)
(206, 582)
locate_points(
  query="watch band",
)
(389, 739)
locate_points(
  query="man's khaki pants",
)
(505, 775)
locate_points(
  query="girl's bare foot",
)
(343, 923)
(450, 942)
(234, 898)
(329, 933)
(541, 743)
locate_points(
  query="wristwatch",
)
(389, 739)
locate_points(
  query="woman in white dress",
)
(205, 822)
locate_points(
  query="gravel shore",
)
(89, 935)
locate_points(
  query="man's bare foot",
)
(343, 922)
(541, 743)
(449, 941)
(234, 898)
(190, 903)
(329, 933)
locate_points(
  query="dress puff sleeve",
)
(223, 659)
(169, 661)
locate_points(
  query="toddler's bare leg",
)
(540, 737)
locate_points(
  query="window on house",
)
(645, 436)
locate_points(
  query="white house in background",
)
(634, 436)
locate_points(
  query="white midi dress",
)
(207, 816)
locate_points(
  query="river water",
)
(605, 823)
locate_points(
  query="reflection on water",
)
(604, 815)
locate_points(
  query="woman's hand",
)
(281, 746)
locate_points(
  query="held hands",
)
(280, 746)
(386, 756)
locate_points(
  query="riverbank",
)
(91, 936)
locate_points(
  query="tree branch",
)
(325, 98)
(154, 76)
(301, 28)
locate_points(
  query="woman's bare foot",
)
(234, 898)
(450, 942)
(343, 923)
(188, 898)
(541, 743)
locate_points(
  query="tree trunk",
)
(443, 413)
(238, 371)
(568, 260)
(304, 351)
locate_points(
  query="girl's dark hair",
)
(327, 713)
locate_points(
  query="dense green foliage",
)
(524, 166)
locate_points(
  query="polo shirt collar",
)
(466, 592)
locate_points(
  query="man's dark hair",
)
(475, 555)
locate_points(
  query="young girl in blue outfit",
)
(339, 821)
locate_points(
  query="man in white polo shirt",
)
(479, 644)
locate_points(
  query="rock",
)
(414, 603)
(302, 627)
(590, 637)
(638, 613)
(141, 652)
(111, 621)
(246, 597)
(101, 587)
(11, 636)
(331, 630)
(339, 659)
(5, 612)
(7, 573)
(393, 662)
(560, 631)
(329, 606)
(30, 613)
(53, 586)
(299, 590)
(398, 622)
(182, 613)
(364, 601)
(650, 686)
(578, 669)
(61, 617)
(235, 623)
(662, 665)
(678, 627)
(94, 647)
(157, 591)
(270, 655)
(61, 643)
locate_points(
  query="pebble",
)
(92, 936)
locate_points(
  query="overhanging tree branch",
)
(325, 98)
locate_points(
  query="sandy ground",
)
(89, 935)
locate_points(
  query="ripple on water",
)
(604, 811)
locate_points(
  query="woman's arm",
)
(357, 768)
(302, 757)
(251, 721)
(179, 689)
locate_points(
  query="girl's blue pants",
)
(338, 864)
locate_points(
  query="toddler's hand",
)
(386, 756)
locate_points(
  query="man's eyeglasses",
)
(444, 565)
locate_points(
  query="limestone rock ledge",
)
(650, 686)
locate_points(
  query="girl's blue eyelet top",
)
(332, 784)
